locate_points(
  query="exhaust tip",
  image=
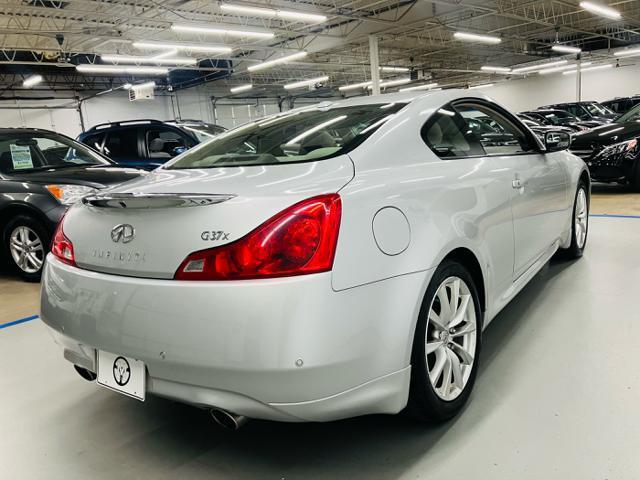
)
(228, 420)
(88, 375)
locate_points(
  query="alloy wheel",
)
(26, 249)
(451, 338)
(581, 218)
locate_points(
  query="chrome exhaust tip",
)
(228, 420)
(88, 375)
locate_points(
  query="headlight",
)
(69, 194)
(621, 148)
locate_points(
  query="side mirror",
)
(557, 141)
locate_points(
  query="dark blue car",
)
(147, 144)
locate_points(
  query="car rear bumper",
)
(288, 349)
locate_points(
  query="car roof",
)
(7, 130)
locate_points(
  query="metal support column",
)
(579, 80)
(375, 64)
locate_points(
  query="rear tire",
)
(579, 224)
(26, 243)
(446, 345)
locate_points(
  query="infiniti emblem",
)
(124, 232)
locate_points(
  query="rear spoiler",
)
(154, 200)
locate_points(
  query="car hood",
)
(606, 135)
(92, 176)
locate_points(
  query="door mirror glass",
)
(557, 141)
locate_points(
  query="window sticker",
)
(21, 157)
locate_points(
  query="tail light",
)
(61, 247)
(297, 241)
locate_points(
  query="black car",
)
(147, 143)
(612, 151)
(622, 105)
(586, 111)
(560, 118)
(41, 173)
(541, 129)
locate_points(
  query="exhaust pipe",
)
(228, 420)
(86, 374)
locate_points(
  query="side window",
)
(122, 144)
(499, 136)
(94, 141)
(448, 135)
(165, 143)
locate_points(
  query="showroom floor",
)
(557, 397)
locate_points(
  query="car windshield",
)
(40, 151)
(301, 135)
(559, 117)
(596, 109)
(631, 116)
(203, 132)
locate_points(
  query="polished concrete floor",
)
(557, 397)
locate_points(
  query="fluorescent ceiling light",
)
(277, 61)
(183, 46)
(166, 53)
(241, 88)
(354, 86)
(601, 10)
(628, 52)
(144, 85)
(473, 37)
(127, 86)
(160, 61)
(313, 130)
(305, 83)
(538, 66)
(232, 32)
(565, 48)
(561, 68)
(394, 69)
(485, 85)
(428, 86)
(31, 81)
(392, 83)
(589, 69)
(270, 12)
(489, 68)
(121, 69)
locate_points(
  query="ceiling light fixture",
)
(354, 86)
(392, 83)
(394, 69)
(428, 86)
(474, 37)
(232, 32)
(270, 12)
(166, 54)
(601, 10)
(277, 61)
(130, 70)
(183, 46)
(560, 68)
(628, 52)
(305, 83)
(484, 85)
(127, 86)
(32, 81)
(565, 48)
(241, 88)
(589, 69)
(489, 68)
(141, 86)
(161, 61)
(539, 66)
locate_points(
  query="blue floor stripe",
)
(604, 215)
(18, 322)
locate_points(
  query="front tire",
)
(26, 242)
(579, 224)
(446, 345)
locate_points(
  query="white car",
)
(328, 262)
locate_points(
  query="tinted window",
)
(94, 141)
(122, 144)
(300, 135)
(447, 134)
(24, 152)
(162, 143)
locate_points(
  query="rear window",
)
(299, 136)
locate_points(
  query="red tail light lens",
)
(299, 240)
(62, 247)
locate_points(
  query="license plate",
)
(122, 374)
